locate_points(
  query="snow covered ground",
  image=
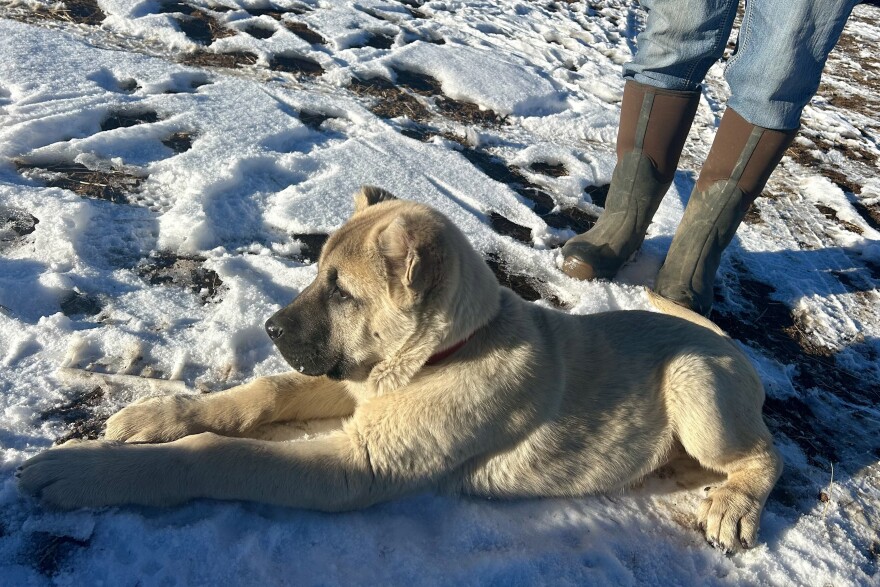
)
(168, 171)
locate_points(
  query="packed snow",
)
(168, 171)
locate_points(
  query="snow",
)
(260, 177)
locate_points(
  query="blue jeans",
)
(778, 62)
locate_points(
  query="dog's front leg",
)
(234, 412)
(328, 473)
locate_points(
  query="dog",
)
(445, 381)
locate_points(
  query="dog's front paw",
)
(156, 419)
(73, 475)
(730, 519)
(98, 473)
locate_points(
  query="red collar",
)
(437, 357)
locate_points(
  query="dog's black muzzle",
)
(301, 335)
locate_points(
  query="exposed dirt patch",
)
(770, 327)
(313, 120)
(277, 13)
(259, 31)
(573, 218)
(391, 101)
(831, 214)
(794, 418)
(14, 224)
(187, 272)
(525, 286)
(753, 215)
(171, 7)
(48, 553)
(114, 185)
(195, 81)
(783, 334)
(419, 83)
(81, 415)
(127, 118)
(467, 113)
(311, 245)
(80, 304)
(495, 168)
(179, 142)
(551, 169)
(378, 41)
(425, 133)
(302, 31)
(229, 60)
(203, 28)
(871, 214)
(598, 194)
(77, 11)
(296, 64)
(463, 112)
(542, 203)
(127, 86)
(805, 155)
(502, 225)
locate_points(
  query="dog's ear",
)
(399, 246)
(369, 195)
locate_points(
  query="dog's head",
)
(385, 296)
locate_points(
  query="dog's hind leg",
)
(723, 429)
(234, 412)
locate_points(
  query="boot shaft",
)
(654, 124)
(739, 164)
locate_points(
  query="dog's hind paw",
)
(730, 519)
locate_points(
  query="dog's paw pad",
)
(729, 519)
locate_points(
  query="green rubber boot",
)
(653, 127)
(739, 164)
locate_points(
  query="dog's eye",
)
(339, 293)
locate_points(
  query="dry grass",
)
(390, 101)
(229, 60)
(111, 185)
(295, 64)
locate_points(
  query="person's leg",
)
(682, 39)
(782, 49)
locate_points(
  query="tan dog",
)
(448, 381)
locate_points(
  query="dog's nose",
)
(273, 330)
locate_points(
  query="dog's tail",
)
(673, 309)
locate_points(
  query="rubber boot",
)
(740, 161)
(654, 124)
